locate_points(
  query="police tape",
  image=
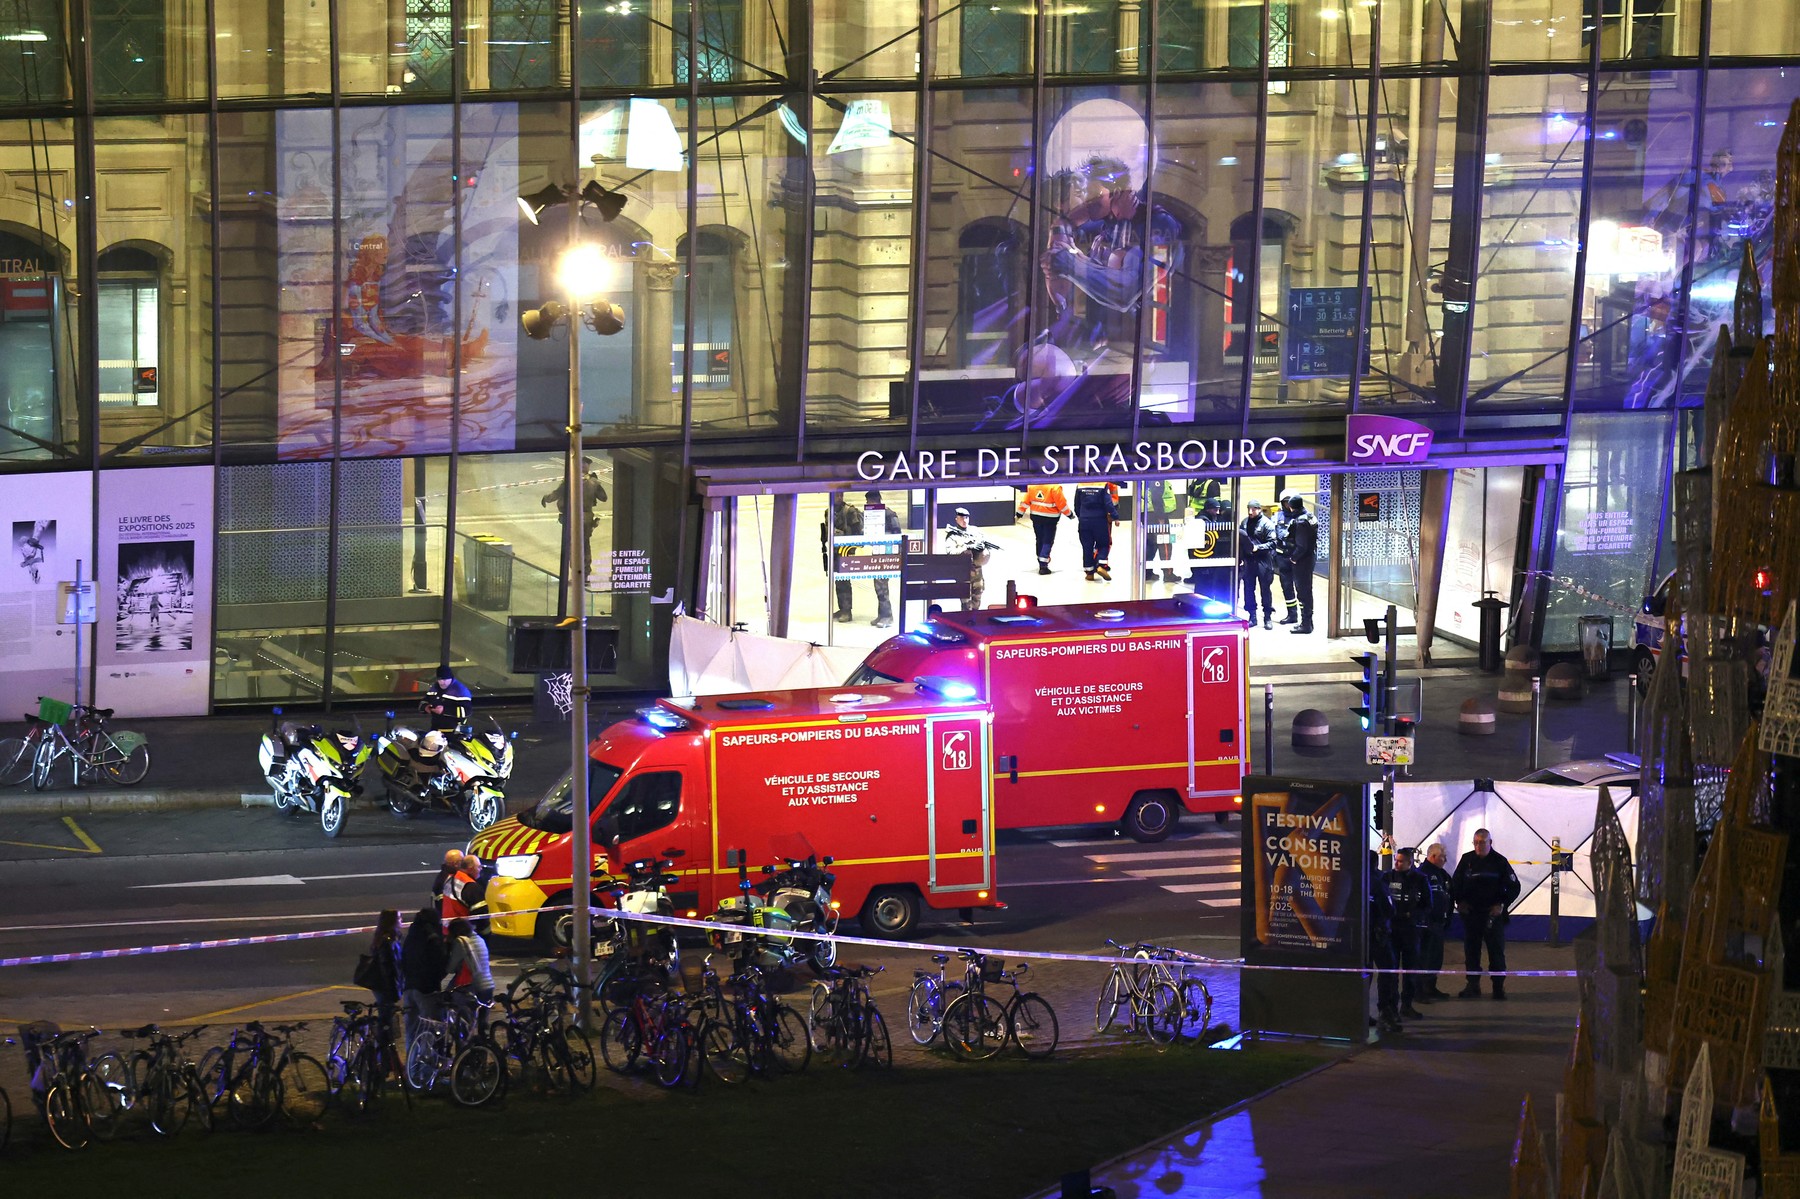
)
(1182, 958)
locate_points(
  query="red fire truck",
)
(1128, 712)
(888, 780)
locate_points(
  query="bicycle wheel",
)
(193, 1094)
(975, 1027)
(1197, 1001)
(213, 1073)
(578, 1053)
(825, 1025)
(1162, 1014)
(923, 1010)
(428, 1057)
(669, 1055)
(102, 1099)
(255, 1095)
(724, 1053)
(788, 1043)
(514, 1051)
(1034, 1028)
(42, 762)
(305, 1089)
(166, 1098)
(476, 1075)
(878, 1049)
(129, 768)
(16, 755)
(621, 1044)
(65, 1116)
(1112, 996)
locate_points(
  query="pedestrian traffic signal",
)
(1369, 710)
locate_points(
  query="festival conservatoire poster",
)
(47, 529)
(155, 592)
(1305, 867)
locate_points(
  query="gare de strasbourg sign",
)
(1369, 441)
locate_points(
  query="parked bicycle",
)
(92, 751)
(647, 1024)
(536, 1037)
(1161, 993)
(977, 1026)
(842, 1021)
(19, 754)
(165, 1083)
(931, 994)
(80, 1096)
(362, 1058)
(259, 1074)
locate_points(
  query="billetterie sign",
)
(1084, 460)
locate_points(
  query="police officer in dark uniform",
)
(1302, 553)
(1095, 512)
(1284, 566)
(1483, 885)
(1431, 941)
(1410, 896)
(1256, 561)
(1381, 950)
(448, 701)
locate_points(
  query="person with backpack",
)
(422, 958)
(379, 968)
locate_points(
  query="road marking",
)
(1065, 882)
(1200, 888)
(261, 880)
(87, 843)
(273, 919)
(80, 835)
(1183, 871)
(1183, 855)
(323, 878)
(232, 1011)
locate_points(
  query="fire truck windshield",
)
(866, 675)
(551, 813)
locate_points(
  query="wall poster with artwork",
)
(47, 528)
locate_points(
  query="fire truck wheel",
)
(1150, 817)
(890, 912)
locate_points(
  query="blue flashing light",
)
(1213, 607)
(946, 687)
(662, 718)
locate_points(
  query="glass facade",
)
(285, 243)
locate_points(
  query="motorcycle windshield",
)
(791, 846)
(551, 814)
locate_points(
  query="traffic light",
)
(1369, 710)
(1384, 809)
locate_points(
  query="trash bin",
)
(1596, 644)
(492, 590)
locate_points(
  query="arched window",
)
(130, 316)
(715, 311)
(990, 293)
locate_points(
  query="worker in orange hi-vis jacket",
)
(1045, 502)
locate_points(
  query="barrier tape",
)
(1185, 957)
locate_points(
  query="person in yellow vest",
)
(1044, 502)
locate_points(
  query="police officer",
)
(447, 700)
(1302, 553)
(1284, 567)
(1410, 895)
(878, 517)
(844, 520)
(1431, 941)
(1256, 561)
(1095, 511)
(960, 538)
(1482, 887)
(1381, 951)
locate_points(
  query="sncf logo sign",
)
(1385, 440)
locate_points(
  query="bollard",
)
(1476, 718)
(1514, 694)
(1269, 728)
(1537, 717)
(1631, 714)
(1312, 729)
(1555, 902)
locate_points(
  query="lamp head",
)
(541, 320)
(608, 203)
(533, 204)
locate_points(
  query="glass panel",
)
(1525, 265)
(1381, 558)
(627, 384)
(1646, 29)
(978, 261)
(1415, 152)
(751, 167)
(510, 555)
(975, 41)
(1312, 212)
(155, 287)
(1085, 39)
(41, 416)
(1195, 334)
(396, 47)
(274, 526)
(736, 42)
(1192, 35)
(389, 601)
(1744, 27)
(256, 149)
(1632, 347)
(862, 259)
(854, 603)
(624, 45)
(1331, 34)
(1092, 275)
(637, 539)
(511, 45)
(148, 50)
(868, 41)
(1610, 522)
(1418, 33)
(397, 253)
(34, 62)
(1541, 31)
(285, 49)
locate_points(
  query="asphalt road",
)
(181, 877)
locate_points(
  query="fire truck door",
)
(958, 802)
(1215, 713)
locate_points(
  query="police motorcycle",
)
(792, 897)
(456, 770)
(311, 770)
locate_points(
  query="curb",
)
(69, 803)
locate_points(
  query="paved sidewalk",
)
(1430, 1113)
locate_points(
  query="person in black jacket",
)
(1302, 554)
(1256, 562)
(1381, 950)
(1410, 895)
(1431, 941)
(422, 958)
(1483, 885)
(383, 979)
